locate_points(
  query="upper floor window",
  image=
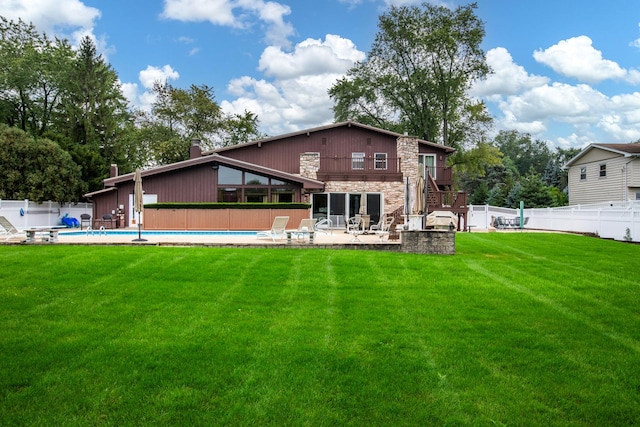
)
(583, 173)
(380, 161)
(357, 161)
(603, 170)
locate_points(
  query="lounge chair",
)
(305, 228)
(7, 230)
(324, 226)
(277, 229)
(383, 227)
(355, 227)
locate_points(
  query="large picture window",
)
(235, 185)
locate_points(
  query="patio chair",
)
(325, 225)
(383, 227)
(85, 219)
(108, 221)
(355, 227)
(305, 228)
(7, 229)
(500, 223)
(277, 229)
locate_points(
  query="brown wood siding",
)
(105, 204)
(189, 185)
(284, 154)
(441, 157)
(219, 219)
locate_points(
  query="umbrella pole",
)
(139, 239)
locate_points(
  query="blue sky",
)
(565, 71)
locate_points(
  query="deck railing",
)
(358, 165)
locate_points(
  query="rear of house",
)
(341, 170)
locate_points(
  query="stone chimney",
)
(195, 151)
(408, 153)
(309, 165)
(113, 171)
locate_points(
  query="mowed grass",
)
(515, 329)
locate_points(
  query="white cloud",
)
(576, 57)
(293, 95)
(508, 78)
(148, 77)
(333, 55)
(51, 16)
(152, 74)
(559, 101)
(67, 19)
(236, 14)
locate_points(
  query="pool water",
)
(157, 233)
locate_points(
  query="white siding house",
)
(604, 173)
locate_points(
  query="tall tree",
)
(38, 170)
(32, 68)
(417, 75)
(523, 151)
(93, 114)
(180, 115)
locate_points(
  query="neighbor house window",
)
(380, 161)
(603, 170)
(357, 161)
(583, 173)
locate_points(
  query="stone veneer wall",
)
(309, 165)
(393, 191)
(407, 148)
(408, 153)
(428, 242)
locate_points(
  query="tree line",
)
(416, 80)
(64, 119)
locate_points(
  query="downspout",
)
(625, 187)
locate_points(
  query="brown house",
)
(332, 167)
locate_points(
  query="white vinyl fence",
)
(614, 220)
(26, 214)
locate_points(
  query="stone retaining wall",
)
(428, 242)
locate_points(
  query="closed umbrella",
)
(420, 200)
(407, 199)
(138, 203)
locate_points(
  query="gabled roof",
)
(326, 127)
(625, 150)
(307, 183)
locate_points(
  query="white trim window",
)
(380, 161)
(603, 170)
(583, 173)
(357, 161)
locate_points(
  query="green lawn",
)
(516, 329)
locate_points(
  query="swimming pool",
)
(157, 233)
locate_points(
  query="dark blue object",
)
(70, 222)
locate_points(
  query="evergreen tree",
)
(93, 114)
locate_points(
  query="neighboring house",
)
(332, 167)
(604, 173)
